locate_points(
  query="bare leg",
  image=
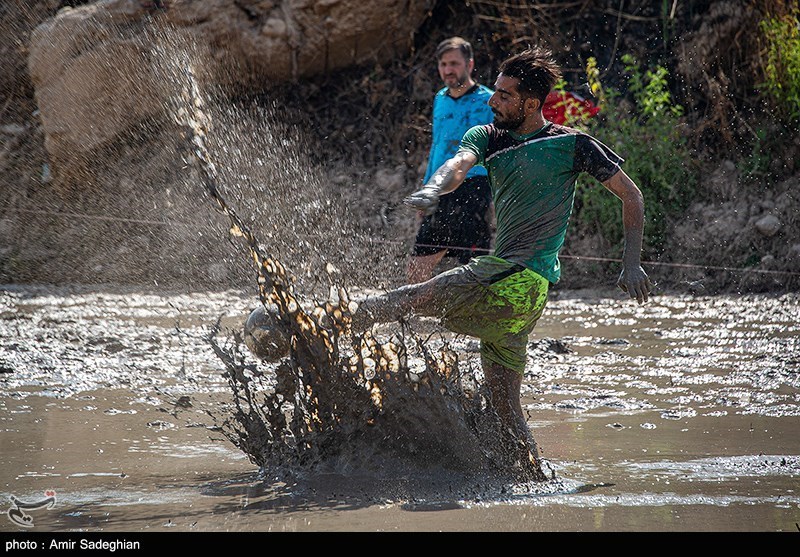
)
(426, 298)
(432, 298)
(420, 267)
(504, 387)
(394, 305)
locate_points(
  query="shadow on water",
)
(334, 491)
(505, 495)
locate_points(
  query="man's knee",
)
(510, 356)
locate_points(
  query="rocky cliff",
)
(94, 77)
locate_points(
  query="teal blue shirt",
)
(533, 187)
(451, 119)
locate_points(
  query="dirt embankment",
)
(121, 209)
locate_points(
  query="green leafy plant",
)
(782, 63)
(644, 128)
(755, 165)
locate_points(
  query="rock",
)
(768, 225)
(724, 179)
(12, 129)
(785, 201)
(6, 226)
(767, 205)
(90, 81)
(274, 27)
(696, 287)
(94, 76)
(46, 175)
(342, 179)
(728, 166)
(777, 165)
(217, 272)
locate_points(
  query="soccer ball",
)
(265, 335)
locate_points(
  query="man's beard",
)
(460, 80)
(510, 124)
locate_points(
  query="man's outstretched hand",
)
(425, 200)
(635, 282)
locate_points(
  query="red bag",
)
(559, 104)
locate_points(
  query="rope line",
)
(617, 260)
(461, 248)
(100, 217)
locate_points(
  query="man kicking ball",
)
(532, 166)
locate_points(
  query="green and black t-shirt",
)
(533, 187)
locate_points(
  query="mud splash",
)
(343, 403)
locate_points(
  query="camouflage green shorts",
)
(495, 300)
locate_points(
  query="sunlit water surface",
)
(679, 415)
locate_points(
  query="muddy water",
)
(681, 415)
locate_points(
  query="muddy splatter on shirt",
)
(533, 187)
(451, 119)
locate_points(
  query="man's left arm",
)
(633, 279)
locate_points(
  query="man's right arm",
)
(446, 179)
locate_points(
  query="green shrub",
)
(782, 64)
(644, 128)
(754, 166)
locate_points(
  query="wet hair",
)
(454, 43)
(536, 71)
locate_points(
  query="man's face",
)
(507, 103)
(454, 69)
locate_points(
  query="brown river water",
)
(680, 415)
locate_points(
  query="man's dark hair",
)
(536, 71)
(454, 43)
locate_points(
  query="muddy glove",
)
(425, 199)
